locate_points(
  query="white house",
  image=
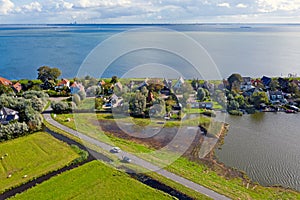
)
(7, 115)
(246, 84)
(63, 83)
(179, 83)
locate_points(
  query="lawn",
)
(199, 173)
(30, 157)
(94, 180)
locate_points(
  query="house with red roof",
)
(5, 82)
(76, 87)
(63, 83)
(17, 87)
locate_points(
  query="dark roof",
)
(275, 93)
(10, 117)
(8, 111)
(246, 79)
(266, 80)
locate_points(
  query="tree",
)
(138, 104)
(47, 73)
(13, 130)
(233, 105)
(5, 89)
(37, 104)
(61, 107)
(258, 98)
(240, 99)
(144, 91)
(33, 119)
(158, 109)
(293, 87)
(114, 80)
(93, 91)
(201, 94)
(274, 85)
(234, 80)
(195, 84)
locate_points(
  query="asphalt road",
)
(138, 161)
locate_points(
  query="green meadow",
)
(29, 157)
(94, 180)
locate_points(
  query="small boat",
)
(290, 111)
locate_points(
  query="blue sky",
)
(149, 11)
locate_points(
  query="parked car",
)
(115, 150)
(295, 108)
(126, 159)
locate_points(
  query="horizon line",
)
(148, 23)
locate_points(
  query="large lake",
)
(253, 50)
(265, 146)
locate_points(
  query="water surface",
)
(253, 50)
(265, 146)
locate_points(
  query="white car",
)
(115, 150)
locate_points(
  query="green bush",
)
(61, 107)
(82, 153)
(209, 113)
(235, 112)
(13, 130)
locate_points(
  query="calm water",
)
(254, 50)
(265, 146)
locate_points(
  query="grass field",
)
(34, 156)
(93, 180)
(199, 173)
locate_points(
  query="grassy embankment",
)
(197, 172)
(30, 157)
(94, 180)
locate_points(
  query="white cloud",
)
(6, 6)
(149, 11)
(240, 5)
(227, 5)
(33, 6)
(63, 5)
(277, 5)
(103, 3)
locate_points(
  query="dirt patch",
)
(166, 135)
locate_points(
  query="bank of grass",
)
(30, 157)
(234, 188)
(197, 172)
(94, 180)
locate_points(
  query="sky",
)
(149, 11)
